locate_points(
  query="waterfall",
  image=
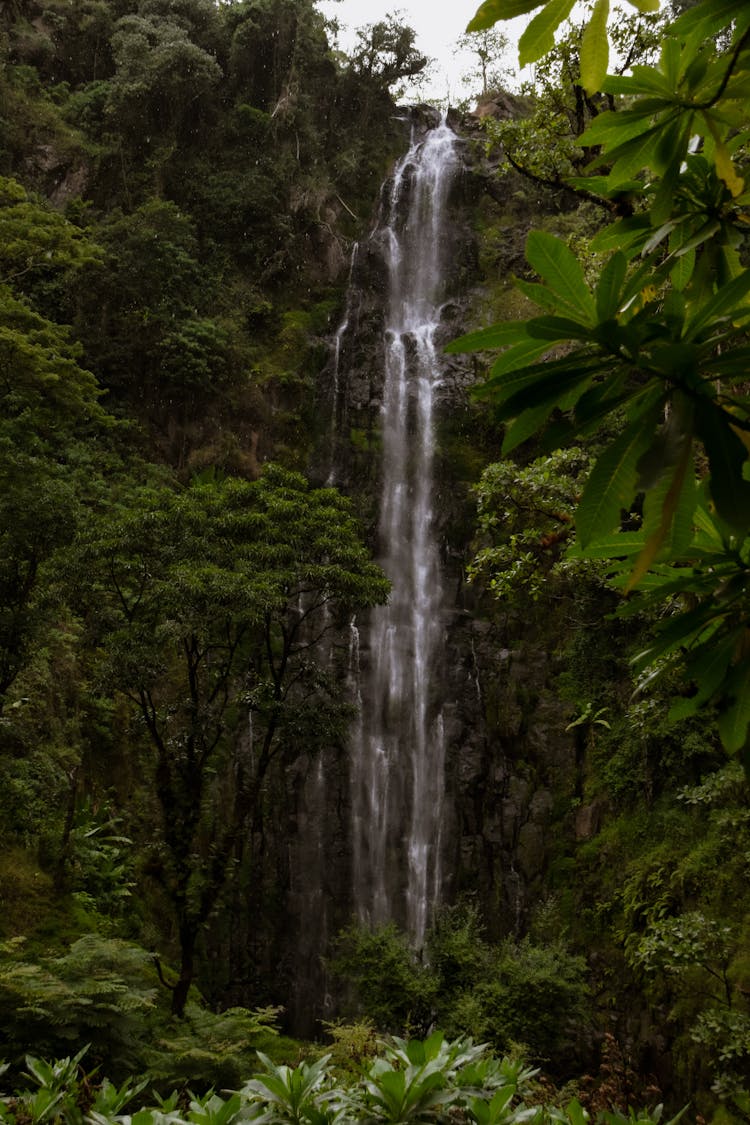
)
(399, 743)
(336, 401)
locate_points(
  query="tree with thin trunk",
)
(210, 604)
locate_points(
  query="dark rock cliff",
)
(508, 756)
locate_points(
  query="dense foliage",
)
(657, 337)
(408, 1081)
(181, 185)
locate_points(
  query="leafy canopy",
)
(656, 343)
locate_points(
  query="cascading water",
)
(399, 751)
(343, 328)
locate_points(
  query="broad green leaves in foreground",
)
(655, 345)
(418, 1081)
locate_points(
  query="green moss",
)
(27, 896)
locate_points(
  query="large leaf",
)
(621, 235)
(488, 13)
(544, 297)
(620, 544)
(616, 127)
(724, 164)
(734, 717)
(499, 335)
(551, 384)
(675, 502)
(610, 286)
(729, 300)
(708, 668)
(702, 21)
(726, 458)
(635, 154)
(595, 48)
(611, 486)
(525, 426)
(539, 36)
(555, 328)
(562, 271)
(521, 356)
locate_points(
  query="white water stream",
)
(399, 744)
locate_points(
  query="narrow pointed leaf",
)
(556, 328)
(726, 457)
(709, 672)
(562, 271)
(611, 486)
(735, 717)
(499, 335)
(525, 426)
(595, 49)
(522, 355)
(724, 303)
(622, 544)
(550, 388)
(488, 13)
(621, 235)
(613, 127)
(634, 155)
(610, 286)
(674, 529)
(539, 36)
(545, 298)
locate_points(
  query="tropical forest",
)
(374, 566)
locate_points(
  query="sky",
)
(438, 23)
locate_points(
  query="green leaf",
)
(520, 356)
(646, 6)
(620, 544)
(488, 13)
(617, 127)
(734, 719)
(682, 270)
(551, 383)
(524, 426)
(634, 155)
(498, 335)
(539, 36)
(612, 484)
(702, 21)
(544, 297)
(610, 286)
(727, 301)
(621, 235)
(562, 271)
(554, 328)
(708, 668)
(595, 48)
(726, 457)
(675, 503)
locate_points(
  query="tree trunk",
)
(188, 937)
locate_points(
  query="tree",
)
(656, 343)
(49, 418)
(162, 76)
(544, 142)
(490, 47)
(385, 51)
(210, 604)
